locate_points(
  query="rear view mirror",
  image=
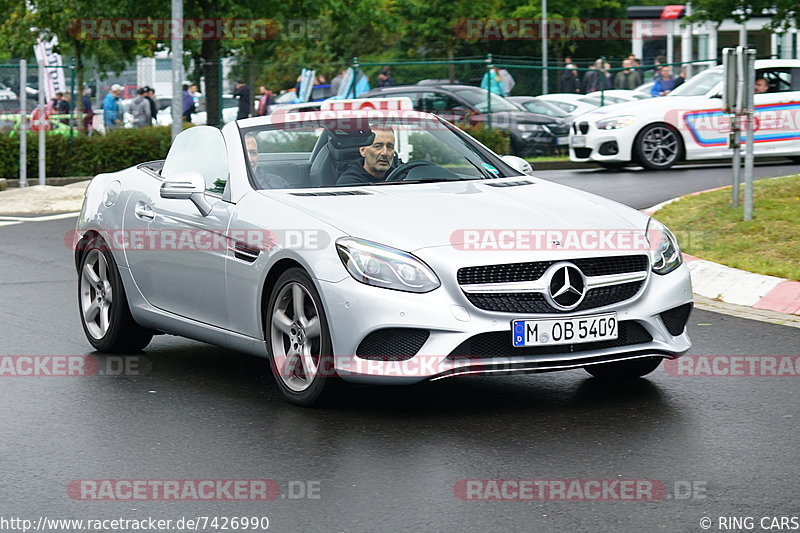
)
(518, 164)
(186, 185)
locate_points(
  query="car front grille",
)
(590, 266)
(498, 344)
(535, 302)
(582, 153)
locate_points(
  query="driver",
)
(761, 86)
(264, 179)
(376, 162)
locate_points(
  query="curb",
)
(575, 165)
(735, 286)
(14, 183)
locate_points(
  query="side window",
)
(199, 149)
(413, 95)
(434, 102)
(779, 80)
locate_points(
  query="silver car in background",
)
(458, 262)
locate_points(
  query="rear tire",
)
(299, 342)
(105, 315)
(635, 368)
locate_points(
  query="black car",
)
(531, 134)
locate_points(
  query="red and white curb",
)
(735, 286)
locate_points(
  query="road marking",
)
(9, 223)
(43, 218)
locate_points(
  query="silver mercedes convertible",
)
(374, 247)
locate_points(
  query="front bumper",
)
(356, 310)
(587, 143)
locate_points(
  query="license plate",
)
(562, 140)
(551, 332)
(578, 141)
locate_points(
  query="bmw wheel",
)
(658, 147)
(105, 315)
(624, 369)
(299, 341)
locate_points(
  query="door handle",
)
(144, 212)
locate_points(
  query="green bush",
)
(86, 156)
(495, 139)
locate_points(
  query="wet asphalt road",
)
(389, 458)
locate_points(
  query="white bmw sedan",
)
(374, 247)
(688, 124)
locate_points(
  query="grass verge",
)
(708, 227)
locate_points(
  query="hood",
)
(414, 216)
(664, 106)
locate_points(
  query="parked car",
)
(241, 238)
(688, 123)
(531, 134)
(574, 104)
(319, 93)
(617, 96)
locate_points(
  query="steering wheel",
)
(397, 173)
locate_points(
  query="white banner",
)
(54, 79)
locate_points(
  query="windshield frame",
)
(504, 169)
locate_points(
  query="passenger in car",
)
(264, 179)
(375, 162)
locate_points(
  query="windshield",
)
(544, 108)
(477, 98)
(321, 152)
(700, 84)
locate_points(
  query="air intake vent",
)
(675, 319)
(392, 344)
(510, 183)
(331, 193)
(245, 252)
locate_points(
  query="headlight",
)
(530, 127)
(665, 255)
(378, 265)
(615, 123)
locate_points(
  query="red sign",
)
(40, 120)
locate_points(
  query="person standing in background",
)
(569, 82)
(264, 101)
(627, 78)
(112, 118)
(88, 112)
(140, 109)
(508, 81)
(493, 82)
(242, 92)
(188, 103)
(150, 94)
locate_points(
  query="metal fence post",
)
(42, 122)
(750, 55)
(354, 79)
(23, 133)
(489, 92)
(72, 101)
(177, 69)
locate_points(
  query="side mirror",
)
(518, 164)
(186, 185)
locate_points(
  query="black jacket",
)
(355, 174)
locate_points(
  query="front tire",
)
(105, 315)
(658, 147)
(299, 342)
(635, 368)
